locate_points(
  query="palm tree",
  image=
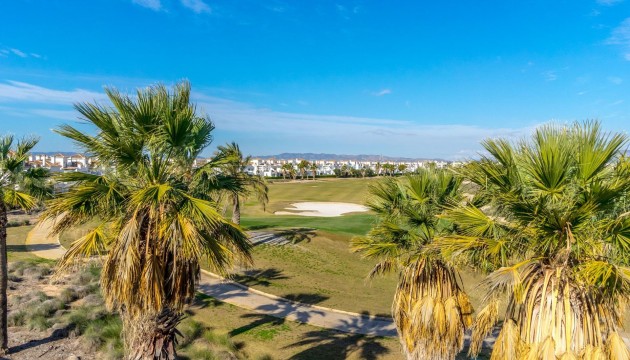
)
(401, 168)
(378, 168)
(430, 308)
(551, 226)
(233, 167)
(314, 169)
(158, 214)
(19, 188)
(303, 166)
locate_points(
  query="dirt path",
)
(41, 244)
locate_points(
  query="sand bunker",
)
(322, 209)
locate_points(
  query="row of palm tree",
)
(159, 217)
(303, 167)
(548, 226)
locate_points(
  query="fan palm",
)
(550, 225)
(303, 165)
(234, 168)
(430, 308)
(158, 214)
(19, 188)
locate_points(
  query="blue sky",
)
(401, 78)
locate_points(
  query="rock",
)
(73, 357)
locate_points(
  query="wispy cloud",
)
(155, 5)
(197, 6)
(609, 2)
(615, 80)
(6, 52)
(15, 91)
(550, 75)
(18, 53)
(620, 36)
(279, 131)
(382, 92)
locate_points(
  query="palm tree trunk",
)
(4, 278)
(153, 338)
(236, 210)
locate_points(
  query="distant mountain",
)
(338, 157)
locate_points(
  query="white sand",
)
(322, 209)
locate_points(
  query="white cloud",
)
(615, 80)
(154, 5)
(197, 6)
(18, 53)
(550, 75)
(15, 91)
(37, 56)
(620, 36)
(609, 2)
(382, 92)
(279, 131)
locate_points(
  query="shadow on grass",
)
(297, 235)
(17, 248)
(281, 310)
(261, 277)
(331, 345)
(260, 227)
(203, 301)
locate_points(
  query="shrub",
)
(69, 295)
(202, 353)
(219, 339)
(48, 308)
(191, 330)
(38, 322)
(17, 318)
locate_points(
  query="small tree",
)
(302, 167)
(313, 169)
(232, 165)
(19, 188)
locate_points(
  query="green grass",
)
(282, 194)
(349, 224)
(258, 336)
(67, 237)
(16, 250)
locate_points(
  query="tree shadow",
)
(57, 334)
(277, 313)
(261, 277)
(333, 345)
(17, 248)
(260, 227)
(33, 247)
(297, 235)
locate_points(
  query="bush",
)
(202, 353)
(219, 339)
(191, 330)
(17, 318)
(48, 308)
(38, 322)
(69, 295)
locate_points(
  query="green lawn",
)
(349, 224)
(16, 250)
(257, 335)
(281, 194)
